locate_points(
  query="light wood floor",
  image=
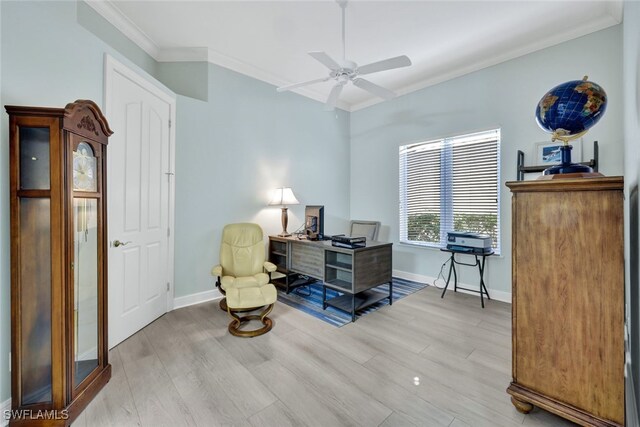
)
(424, 361)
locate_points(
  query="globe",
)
(568, 110)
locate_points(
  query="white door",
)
(139, 189)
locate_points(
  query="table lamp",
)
(283, 197)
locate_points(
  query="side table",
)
(480, 258)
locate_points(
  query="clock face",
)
(84, 168)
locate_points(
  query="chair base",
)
(223, 306)
(234, 326)
(223, 302)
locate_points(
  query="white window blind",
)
(450, 184)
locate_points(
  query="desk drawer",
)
(307, 259)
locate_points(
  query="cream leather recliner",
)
(242, 259)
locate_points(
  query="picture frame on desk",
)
(548, 153)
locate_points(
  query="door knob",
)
(117, 243)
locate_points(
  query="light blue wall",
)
(47, 60)
(234, 150)
(38, 69)
(231, 151)
(246, 140)
(631, 84)
(503, 96)
(173, 75)
(94, 22)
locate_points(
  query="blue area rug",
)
(312, 304)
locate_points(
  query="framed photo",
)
(548, 153)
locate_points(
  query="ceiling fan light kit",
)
(348, 71)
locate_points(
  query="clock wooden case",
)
(58, 261)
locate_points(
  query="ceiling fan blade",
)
(374, 88)
(333, 97)
(385, 64)
(326, 60)
(297, 85)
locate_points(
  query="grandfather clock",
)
(58, 261)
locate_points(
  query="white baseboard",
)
(4, 407)
(200, 297)
(197, 298)
(495, 294)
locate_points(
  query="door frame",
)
(112, 67)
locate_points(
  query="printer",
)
(466, 241)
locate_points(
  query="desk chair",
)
(368, 229)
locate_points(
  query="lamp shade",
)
(283, 196)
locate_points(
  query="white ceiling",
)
(269, 40)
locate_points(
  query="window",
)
(450, 184)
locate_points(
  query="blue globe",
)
(570, 109)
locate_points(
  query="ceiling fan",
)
(348, 71)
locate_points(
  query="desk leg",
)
(324, 297)
(451, 260)
(391, 292)
(353, 307)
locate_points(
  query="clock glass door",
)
(85, 288)
(84, 169)
(86, 254)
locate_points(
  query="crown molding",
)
(257, 73)
(184, 54)
(202, 54)
(106, 8)
(606, 21)
(113, 15)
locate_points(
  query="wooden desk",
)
(353, 272)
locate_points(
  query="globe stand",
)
(566, 166)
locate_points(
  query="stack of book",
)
(342, 241)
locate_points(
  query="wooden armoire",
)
(568, 298)
(58, 261)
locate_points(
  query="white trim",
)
(197, 298)
(111, 13)
(184, 54)
(140, 77)
(203, 54)
(246, 69)
(605, 21)
(5, 406)
(115, 17)
(108, 10)
(111, 67)
(172, 205)
(495, 294)
(413, 276)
